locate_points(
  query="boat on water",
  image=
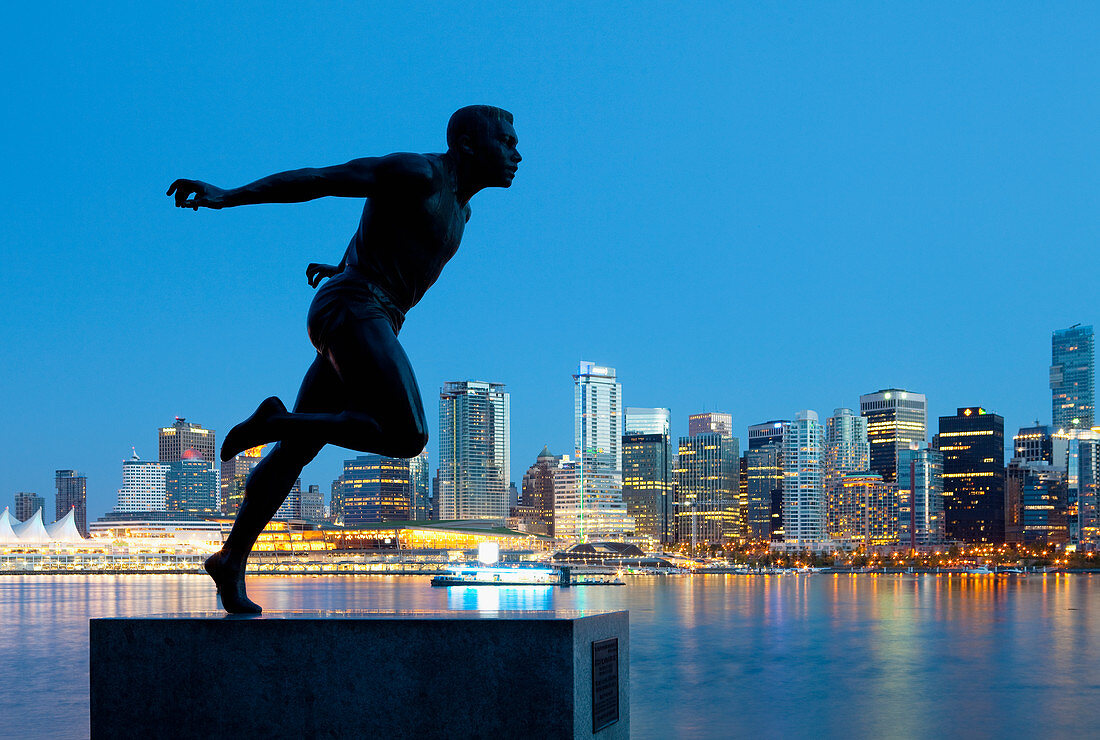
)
(520, 574)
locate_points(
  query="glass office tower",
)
(1072, 378)
(474, 451)
(972, 443)
(896, 418)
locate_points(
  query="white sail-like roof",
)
(32, 530)
(7, 534)
(64, 529)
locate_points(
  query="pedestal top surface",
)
(411, 614)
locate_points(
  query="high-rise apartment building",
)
(710, 423)
(920, 496)
(763, 483)
(847, 451)
(597, 510)
(896, 418)
(1072, 378)
(420, 507)
(804, 481)
(972, 443)
(72, 493)
(648, 484)
(191, 486)
(1087, 485)
(27, 503)
(536, 507)
(143, 485)
(182, 436)
(708, 472)
(474, 451)
(648, 421)
(375, 489)
(874, 517)
(234, 475)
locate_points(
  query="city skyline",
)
(201, 436)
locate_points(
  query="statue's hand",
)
(204, 194)
(315, 273)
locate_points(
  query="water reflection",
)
(711, 656)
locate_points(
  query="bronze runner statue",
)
(360, 391)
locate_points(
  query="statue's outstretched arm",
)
(359, 178)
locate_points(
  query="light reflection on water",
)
(711, 656)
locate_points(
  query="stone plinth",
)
(362, 674)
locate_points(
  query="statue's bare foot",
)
(253, 431)
(230, 583)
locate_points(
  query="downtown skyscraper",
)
(804, 481)
(474, 451)
(182, 436)
(1072, 378)
(896, 418)
(597, 510)
(920, 496)
(72, 493)
(143, 486)
(763, 483)
(708, 475)
(972, 443)
(648, 472)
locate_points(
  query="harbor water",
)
(820, 655)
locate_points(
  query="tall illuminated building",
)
(920, 496)
(1072, 378)
(648, 421)
(759, 486)
(847, 451)
(972, 443)
(27, 503)
(874, 520)
(1085, 482)
(182, 436)
(375, 489)
(474, 451)
(191, 486)
(763, 484)
(72, 493)
(1039, 492)
(234, 475)
(536, 506)
(648, 472)
(420, 507)
(143, 485)
(804, 480)
(896, 418)
(708, 472)
(598, 510)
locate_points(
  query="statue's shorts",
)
(347, 299)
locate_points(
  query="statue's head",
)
(482, 138)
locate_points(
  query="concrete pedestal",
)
(415, 674)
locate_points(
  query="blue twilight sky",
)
(753, 208)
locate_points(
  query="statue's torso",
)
(403, 242)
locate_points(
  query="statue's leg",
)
(268, 486)
(381, 409)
